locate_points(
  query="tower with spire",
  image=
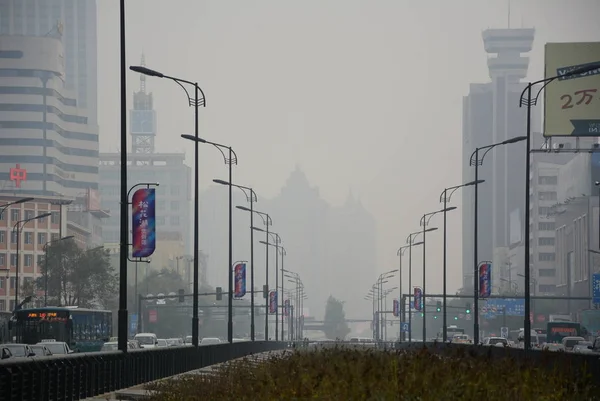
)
(142, 118)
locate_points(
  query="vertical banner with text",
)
(286, 307)
(418, 296)
(239, 274)
(485, 280)
(143, 222)
(272, 301)
(396, 308)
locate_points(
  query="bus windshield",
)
(559, 330)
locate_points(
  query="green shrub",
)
(353, 374)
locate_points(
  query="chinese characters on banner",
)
(396, 308)
(239, 272)
(143, 222)
(272, 301)
(485, 280)
(286, 307)
(572, 103)
(418, 301)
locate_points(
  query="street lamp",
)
(379, 286)
(445, 198)
(277, 246)
(45, 248)
(230, 159)
(251, 197)
(198, 100)
(17, 228)
(424, 221)
(296, 280)
(283, 254)
(411, 243)
(529, 102)
(9, 204)
(476, 161)
(267, 222)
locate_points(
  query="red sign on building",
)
(152, 316)
(18, 174)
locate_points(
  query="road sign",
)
(504, 332)
(596, 288)
(405, 327)
(513, 307)
(133, 323)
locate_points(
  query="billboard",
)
(572, 104)
(143, 222)
(239, 274)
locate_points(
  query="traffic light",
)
(219, 293)
(455, 317)
(181, 293)
(422, 314)
(439, 306)
(435, 316)
(468, 309)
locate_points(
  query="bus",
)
(451, 331)
(84, 330)
(558, 330)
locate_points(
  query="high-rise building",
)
(74, 22)
(173, 195)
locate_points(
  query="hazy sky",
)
(363, 95)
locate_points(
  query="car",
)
(110, 346)
(161, 342)
(570, 341)
(41, 350)
(146, 340)
(19, 350)
(239, 340)
(174, 342)
(461, 339)
(495, 341)
(583, 347)
(210, 341)
(554, 347)
(188, 340)
(56, 347)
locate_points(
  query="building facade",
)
(48, 146)
(74, 22)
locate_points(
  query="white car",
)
(162, 343)
(495, 341)
(146, 340)
(210, 341)
(56, 347)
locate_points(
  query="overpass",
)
(318, 325)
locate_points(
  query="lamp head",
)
(146, 71)
(222, 182)
(515, 139)
(243, 208)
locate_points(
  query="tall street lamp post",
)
(400, 253)
(251, 197)
(230, 159)
(477, 161)
(17, 228)
(445, 198)
(424, 221)
(529, 102)
(277, 245)
(45, 248)
(283, 254)
(411, 243)
(267, 222)
(196, 101)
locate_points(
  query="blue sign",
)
(596, 288)
(133, 323)
(405, 327)
(495, 307)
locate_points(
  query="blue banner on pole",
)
(133, 321)
(405, 327)
(596, 288)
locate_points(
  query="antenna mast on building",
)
(143, 118)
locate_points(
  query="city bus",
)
(558, 330)
(84, 330)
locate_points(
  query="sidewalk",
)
(139, 392)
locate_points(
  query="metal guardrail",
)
(80, 376)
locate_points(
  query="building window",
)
(12, 282)
(2, 215)
(13, 259)
(13, 237)
(1, 283)
(28, 260)
(546, 226)
(546, 241)
(2, 237)
(549, 196)
(55, 218)
(41, 238)
(546, 256)
(547, 272)
(547, 180)
(174, 220)
(547, 288)
(2, 259)
(543, 210)
(29, 238)
(15, 215)
(29, 214)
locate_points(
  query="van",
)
(146, 340)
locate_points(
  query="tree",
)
(334, 322)
(78, 277)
